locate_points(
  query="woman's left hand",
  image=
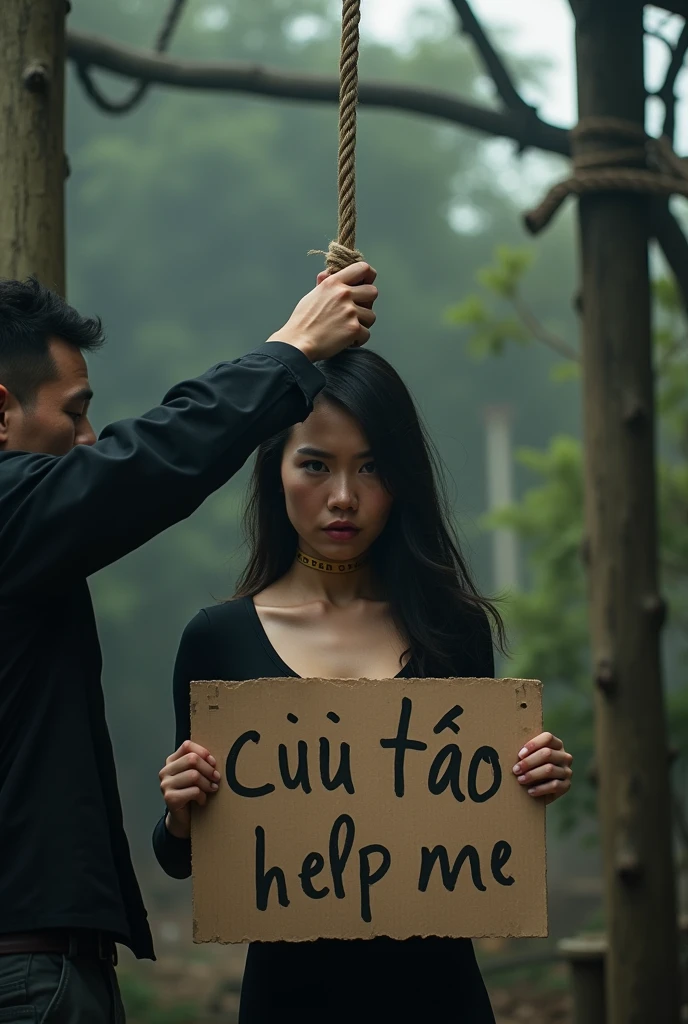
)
(544, 767)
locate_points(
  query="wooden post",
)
(32, 161)
(500, 494)
(626, 608)
(585, 956)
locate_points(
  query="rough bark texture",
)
(32, 162)
(626, 609)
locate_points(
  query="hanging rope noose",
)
(123, 106)
(343, 252)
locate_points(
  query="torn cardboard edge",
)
(223, 840)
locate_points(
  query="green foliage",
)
(490, 334)
(500, 314)
(549, 617)
(143, 1005)
(565, 372)
(504, 276)
(189, 222)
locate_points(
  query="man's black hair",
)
(30, 317)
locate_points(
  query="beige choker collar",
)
(326, 565)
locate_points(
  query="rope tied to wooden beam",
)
(124, 106)
(343, 252)
(645, 165)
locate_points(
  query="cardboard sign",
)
(357, 808)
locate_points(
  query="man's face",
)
(57, 418)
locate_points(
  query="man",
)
(70, 505)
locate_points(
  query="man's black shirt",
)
(64, 856)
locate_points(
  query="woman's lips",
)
(342, 533)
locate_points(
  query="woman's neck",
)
(334, 587)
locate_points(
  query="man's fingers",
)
(366, 317)
(361, 338)
(357, 273)
(192, 761)
(322, 276)
(364, 295)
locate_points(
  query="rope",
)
(343, 252)
(645, 165)
(123, 106)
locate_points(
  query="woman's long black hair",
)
(417, 560)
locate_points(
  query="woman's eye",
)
(76, 416)
(315, 466)
(369, 467)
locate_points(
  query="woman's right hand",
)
(189, 776)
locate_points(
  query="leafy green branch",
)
(549, 616)
(491, 332)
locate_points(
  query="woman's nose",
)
(343, 496)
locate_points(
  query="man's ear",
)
(4, 424)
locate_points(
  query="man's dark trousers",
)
(66, 874)
(52, 988)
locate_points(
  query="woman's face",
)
(335, 499)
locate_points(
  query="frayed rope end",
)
(338, 257)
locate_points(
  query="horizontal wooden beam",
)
(523, 126)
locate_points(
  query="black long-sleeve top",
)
(64, 857)
(377, 981)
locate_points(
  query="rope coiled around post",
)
(645, 165)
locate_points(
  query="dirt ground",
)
(205, 990)
(524, 1005)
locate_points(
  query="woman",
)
(355, 486)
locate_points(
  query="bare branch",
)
(257, 80)
(262, 81)
(666, 92)
(493, 63)
(672, 242)
(541, 333)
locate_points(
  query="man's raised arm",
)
(64, 517)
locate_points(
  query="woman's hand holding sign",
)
(544, 767)
(189, 776)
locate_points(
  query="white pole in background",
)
(500, 492)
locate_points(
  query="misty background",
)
(188, 224)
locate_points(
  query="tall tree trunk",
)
(626, 609)
(32, 161)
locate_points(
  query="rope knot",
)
(639, 164)
(338, 256)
